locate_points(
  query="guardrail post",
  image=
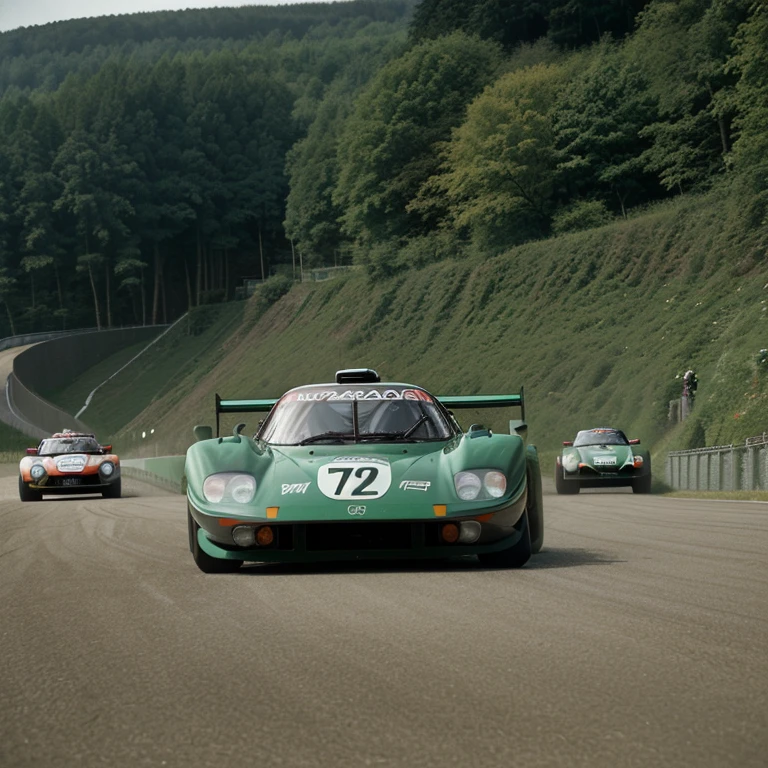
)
(753, 469)
(735, 469)
(720, 471)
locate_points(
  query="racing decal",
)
(71, 463)
(295, 487)
(331, 395)
(354, 478)
(356, 509)
(415, 485)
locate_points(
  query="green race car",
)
(363, 469)
(602, 457)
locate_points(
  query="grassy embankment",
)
(596, 325)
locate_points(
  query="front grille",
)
(73, 482)
(325, 537)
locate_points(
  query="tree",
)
(750, 104)
(681, 49)
(311, 217)
(596, 124)
(499, 170)
(390, 145)
(92, 174)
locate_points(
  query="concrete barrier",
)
(163, 471)
(64, 355)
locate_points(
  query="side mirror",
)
(31, 451)
(567, 443)
(106, 448)
(636, 441)
(203, 432)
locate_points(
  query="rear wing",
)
(241, 406)
(489, 401)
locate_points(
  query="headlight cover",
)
(480, 484)
(37, 471)
(107, 468)
(570, 462)
(226, 487)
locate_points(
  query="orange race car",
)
(69, 462)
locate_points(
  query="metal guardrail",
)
(721, 467)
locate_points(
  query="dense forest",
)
(150, 162)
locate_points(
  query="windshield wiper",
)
(404, 435)
(326, 436)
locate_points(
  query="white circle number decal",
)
(354, 478)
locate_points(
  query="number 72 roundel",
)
(354, 478)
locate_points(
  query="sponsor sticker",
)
(71, 463)
(356, 509)
(295, 488)
(415, 485)
(333, 395)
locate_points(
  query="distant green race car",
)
(602, 457)
(363, 469)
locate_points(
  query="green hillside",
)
(595, 325)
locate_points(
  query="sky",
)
(27, 13)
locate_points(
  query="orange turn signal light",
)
(228, 522)
(449, 533)
(440, 510)
(272, 512)
(265, 536)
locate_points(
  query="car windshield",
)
(57, 445)
(600, 437)
(295, 421)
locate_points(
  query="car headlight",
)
(229, 486)
(468, 485)
(37, 471)
(637, 461)
(106, 468)
(570, 462)
(480, 484)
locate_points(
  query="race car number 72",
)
(351, 478)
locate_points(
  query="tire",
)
(562, 486)
(642, 484)
(515, 556)
(535, 505)
(28, 494)
(203, 560)
(113, 491)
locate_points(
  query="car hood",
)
(602, 457)
(392, 481)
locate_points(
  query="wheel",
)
(563, 486)
(204, 561)
(642, 484)
(113, 491)
(28, 494)
(535, 505)
(515, 556)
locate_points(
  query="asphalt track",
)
(638, 637)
